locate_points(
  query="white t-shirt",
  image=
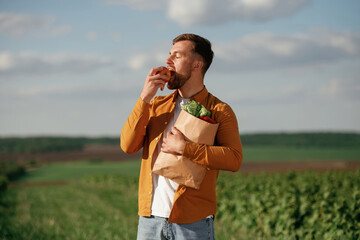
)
(164, 188)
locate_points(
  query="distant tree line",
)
(56, 144)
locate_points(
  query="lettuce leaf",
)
(196, 109)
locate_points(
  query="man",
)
(168, 210)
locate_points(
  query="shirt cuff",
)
(191, 151)
(141, 104)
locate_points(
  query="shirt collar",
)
(199, 97)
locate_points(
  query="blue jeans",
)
(158, 228)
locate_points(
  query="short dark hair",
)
(202, 46)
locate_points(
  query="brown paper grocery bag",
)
(178, 168)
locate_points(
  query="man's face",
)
(181, 58)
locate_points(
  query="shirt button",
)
(149, 192)
(150, 156)
(165, 123)
(157, 138)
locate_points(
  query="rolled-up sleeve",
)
(134, 129)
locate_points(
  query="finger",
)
(163, 77)
(175, 130)
(163, 147)
(165, 138)
(156, 83)
(154, 70)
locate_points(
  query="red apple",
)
(166, 71)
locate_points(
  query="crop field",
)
(98, 200)
(61, 201)
(251, 154)
(291, 154)
(294, 205)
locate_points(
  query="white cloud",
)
(30, 63)
(115, 36)
(272, 51)
(48, 90)
(348, 89)
(270, 95)
(142, 61)
(18, 25)
(347, 42)
(89, 90)
(138, 62)
(6, 61)
(264, 51)
(91, 36)
(208, 12)
(138, 4)
(149, 58)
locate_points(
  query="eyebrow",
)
(175, 52)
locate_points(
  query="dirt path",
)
(106, 153)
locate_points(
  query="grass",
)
(81, 209)
(73, 211)
(99, 199)
(273, 153)
(103, 205)
(70, 171)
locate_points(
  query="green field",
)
(70, 171)
(325, 140)
(98, 200)
(282, 153)
(76, 209)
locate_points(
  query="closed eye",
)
(175, 54)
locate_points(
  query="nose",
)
(169, 61)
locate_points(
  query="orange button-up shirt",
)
(144, 128)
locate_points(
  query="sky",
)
(76, 68)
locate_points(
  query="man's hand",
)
(152, 83)
(173, 142)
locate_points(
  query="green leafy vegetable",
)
(204, 112)
(196, 109)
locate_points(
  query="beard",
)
(178, 81)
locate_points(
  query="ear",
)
(198, 65)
